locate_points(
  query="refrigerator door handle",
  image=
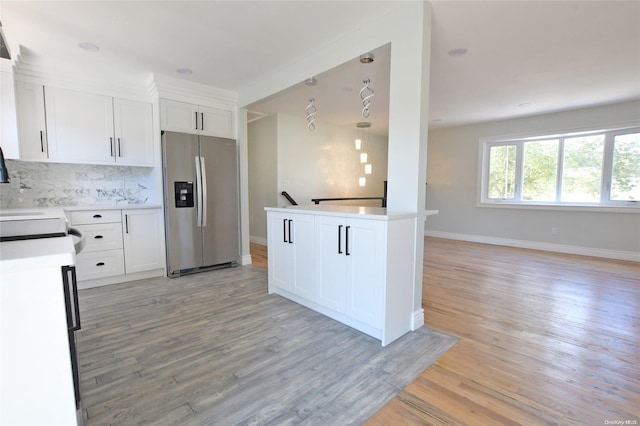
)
(198, 193)
(203, 176)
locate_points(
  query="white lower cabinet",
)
(291, 253)
(351, 268)
(142, 238)
(355, 268)
(119, 244)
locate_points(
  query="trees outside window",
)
(589, 168)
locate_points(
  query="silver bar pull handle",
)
(198, 194)
(203, 177)
(111, 146)
(196, 113)
(119, 149)
(41, 142)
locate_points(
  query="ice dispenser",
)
(184, 194)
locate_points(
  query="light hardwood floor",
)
(545, 338)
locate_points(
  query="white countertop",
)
(379, 213)
(112, 207)
(42, 252)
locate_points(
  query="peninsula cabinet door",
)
(291, 253)
(351, 269)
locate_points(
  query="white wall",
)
(263, 189)
(452, 189)
(285, 156)
(325, 164)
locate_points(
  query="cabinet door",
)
(331, 262)
(280, 257)
(133, 128)
(365, 270)
(302, 238)
(215, 122)
(143, 242)
(79, 127)
(178, 116)
(32, 131)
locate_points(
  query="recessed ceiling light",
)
(525, 105)
(184, 71)
(312, 81)
(89, 47)
(367, 58)
(458, 52)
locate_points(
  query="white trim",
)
(246, 260)
(117, 279)
(186, 91)
(600, 208)
(417, 319)
(535, 245)
(258, 240)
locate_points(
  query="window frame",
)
(605, 203)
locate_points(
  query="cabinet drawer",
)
(99, 264)
(103, 236)
(85, 217)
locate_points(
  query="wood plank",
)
(546, 338)
(216, 348)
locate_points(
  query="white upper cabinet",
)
(196, 119)
(97, 129)
(216, 122)
(133, 126)
(32, 128)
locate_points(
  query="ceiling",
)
(522, 57)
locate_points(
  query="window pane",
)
(582, 170)
(540, 170)
(502, 171)
(625, 182)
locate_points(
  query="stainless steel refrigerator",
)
(201, 202)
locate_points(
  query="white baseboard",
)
(417, 319)
(558, 248)
(246, 259)
(258, 240)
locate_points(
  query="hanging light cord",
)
(311, 114)
(366, 97)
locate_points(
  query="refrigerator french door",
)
(201, 202)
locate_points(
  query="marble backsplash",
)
(34, 184)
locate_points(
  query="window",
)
(600, 168)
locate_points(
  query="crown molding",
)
(187, 91)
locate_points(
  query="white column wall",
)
(408, 29)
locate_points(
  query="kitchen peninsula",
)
(353, 264)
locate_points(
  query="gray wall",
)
(452, 176)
